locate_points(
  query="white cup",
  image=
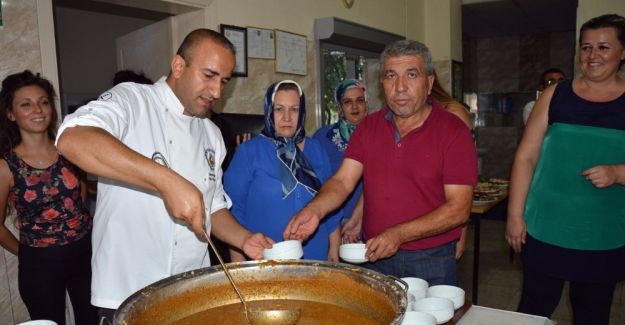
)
(353, 253)
(285, 250)
(39, 322)
(418, 318)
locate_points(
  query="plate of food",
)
(490, 191)
(499, 182)
(483, 199)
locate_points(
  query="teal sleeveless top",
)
(565, 209)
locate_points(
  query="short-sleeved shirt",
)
(135, 240)
(404, 178)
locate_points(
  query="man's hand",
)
(302, 225)
(350, 231)
(254, 244)
(384, 245)
(184, 201)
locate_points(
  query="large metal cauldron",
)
(360, 290)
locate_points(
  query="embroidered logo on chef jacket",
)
(106, 96)
(158, 158)
(210, 160)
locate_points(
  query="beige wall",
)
(19, 37)
(587, 9)
(245, 95)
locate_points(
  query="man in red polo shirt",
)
(419, 165)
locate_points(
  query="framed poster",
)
(238, 37)
(290, 53)
(260, 43)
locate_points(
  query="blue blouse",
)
(253, 183)
(331, 142)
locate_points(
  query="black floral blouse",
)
(50, 210)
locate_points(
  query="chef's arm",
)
(96, 151)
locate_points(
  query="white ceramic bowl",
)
(417, 287)
(441, 308)
(285, 250)
(418, 318)
(39, 322)
(455, 294)
(353, 253)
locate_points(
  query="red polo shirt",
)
(404, 179)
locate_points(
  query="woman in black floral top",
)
(54, 247)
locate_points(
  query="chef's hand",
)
(601, 176)
(183, 201)
(254, 244)
(302, 225)
(384, 245)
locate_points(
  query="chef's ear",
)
(178, 64)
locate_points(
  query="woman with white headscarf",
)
(274, 175)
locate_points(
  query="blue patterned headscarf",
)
(294, 168)
(342, 131)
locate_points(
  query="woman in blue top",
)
(350, 97)
(274, 175)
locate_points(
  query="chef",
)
(158, 158)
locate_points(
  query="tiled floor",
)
(500, 280)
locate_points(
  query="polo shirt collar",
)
(389, 117)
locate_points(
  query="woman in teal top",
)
(566, 209)
(274, 175)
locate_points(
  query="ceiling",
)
(481, 19)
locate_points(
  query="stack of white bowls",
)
(441, 308)
(417, 289)
(285, 250)
(439, 301)
(418, 318)
(455, 294)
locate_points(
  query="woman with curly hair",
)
(54, 246)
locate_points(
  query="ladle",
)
(258, 317)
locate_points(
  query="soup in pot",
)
(312, 313)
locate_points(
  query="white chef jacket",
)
(135, 240)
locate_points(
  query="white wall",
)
(86, 47)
